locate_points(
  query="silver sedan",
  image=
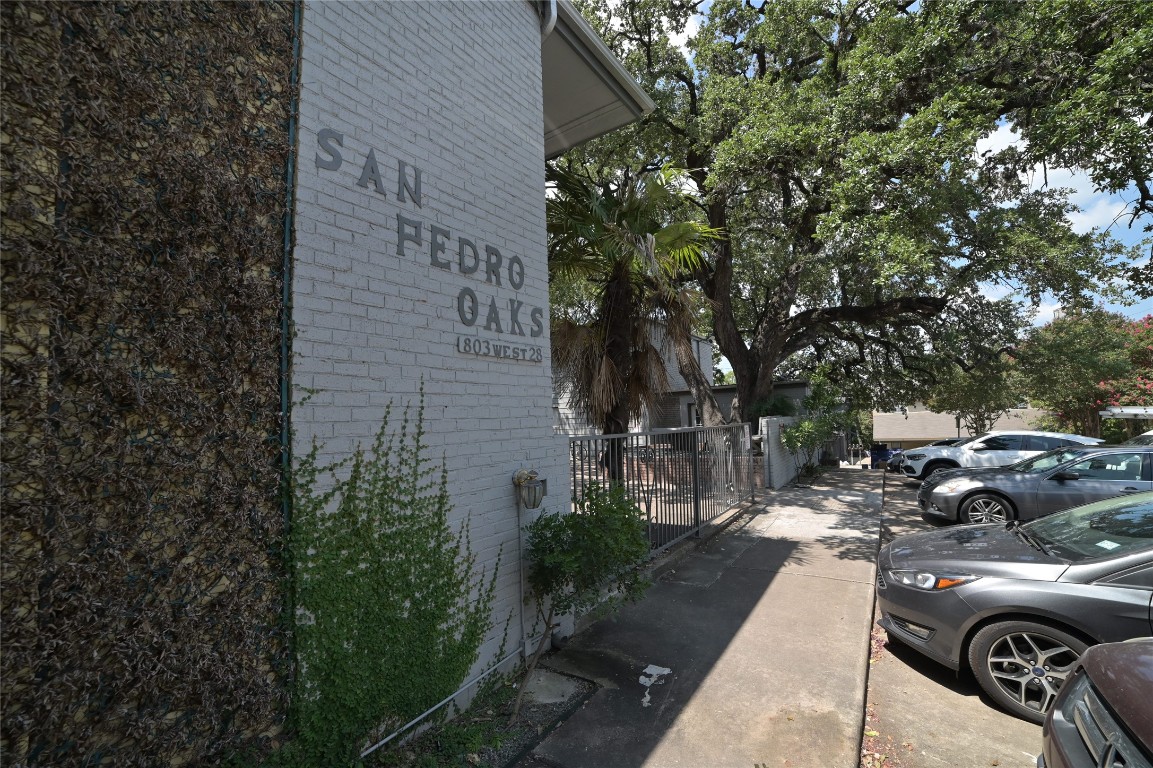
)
(1037, 486)
(1018, 603)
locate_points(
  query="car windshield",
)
(1046, 461)
(966, 440)
(1105, 529)
(1145, 439)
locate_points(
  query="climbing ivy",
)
(390, 607)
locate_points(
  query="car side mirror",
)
(1066, 475)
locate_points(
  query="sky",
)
(1095, 211)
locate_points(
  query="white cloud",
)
(995, 292)
(681, 41)
(1045, 313)
(1002, 138)
(1095, 209)
(1102, 212)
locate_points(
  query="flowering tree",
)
(1136, 386)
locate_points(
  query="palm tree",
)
(623, 243)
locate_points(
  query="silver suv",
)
(992, 449)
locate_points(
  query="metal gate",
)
(681, 479)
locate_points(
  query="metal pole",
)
(696, 482)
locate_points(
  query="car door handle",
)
(1129, 489)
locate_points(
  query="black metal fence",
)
(682, 479)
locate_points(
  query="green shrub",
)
(588, 560)
(575, 558)
(777, 405)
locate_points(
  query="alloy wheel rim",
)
(986, 511)
(1030, 668)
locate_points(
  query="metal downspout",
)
(549, 22)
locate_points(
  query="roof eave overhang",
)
(587, 91)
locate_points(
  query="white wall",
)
(452, 89)
(780, 466)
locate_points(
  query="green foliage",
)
(585, 561)
(390, 609)
(777, 405)
(617, 252)
(463, 740)
(821, 421)
(979, 395)
(1066, 366)
(836, 145)
(589, 558)
(1135, 386)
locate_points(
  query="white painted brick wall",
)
(454, 89)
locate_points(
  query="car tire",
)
(1022, 664)
(985, 508)
(933, 467)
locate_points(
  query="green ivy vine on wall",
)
(390, 607)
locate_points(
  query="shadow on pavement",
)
(684, 625)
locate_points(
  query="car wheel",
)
(986, 508)
(933, 467)
(1022, 665)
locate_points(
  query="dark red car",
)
(1103, 715)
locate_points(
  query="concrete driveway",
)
(920, 714)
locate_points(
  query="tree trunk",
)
(717, 286)
(617, 310)
(699, 385)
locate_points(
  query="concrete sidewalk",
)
(750, 650)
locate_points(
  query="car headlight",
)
(915, 456)
(929, 581)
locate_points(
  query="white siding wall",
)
(452, 89)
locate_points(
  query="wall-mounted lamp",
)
(529, 489)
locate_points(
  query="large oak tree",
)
(834, 143)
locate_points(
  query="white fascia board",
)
(588, 92)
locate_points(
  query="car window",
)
(1046, 442)
(1046, 461)
(1001, 443)
(1111, 466)
(1136, 577)
(1105, 529)
(966, 440)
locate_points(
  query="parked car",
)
(1145, 438)
(1034, 487)
(1103, 714)
(1018, 603)
(992, 449)
(897, 456)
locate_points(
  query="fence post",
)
(696, 454)
(747, 439)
